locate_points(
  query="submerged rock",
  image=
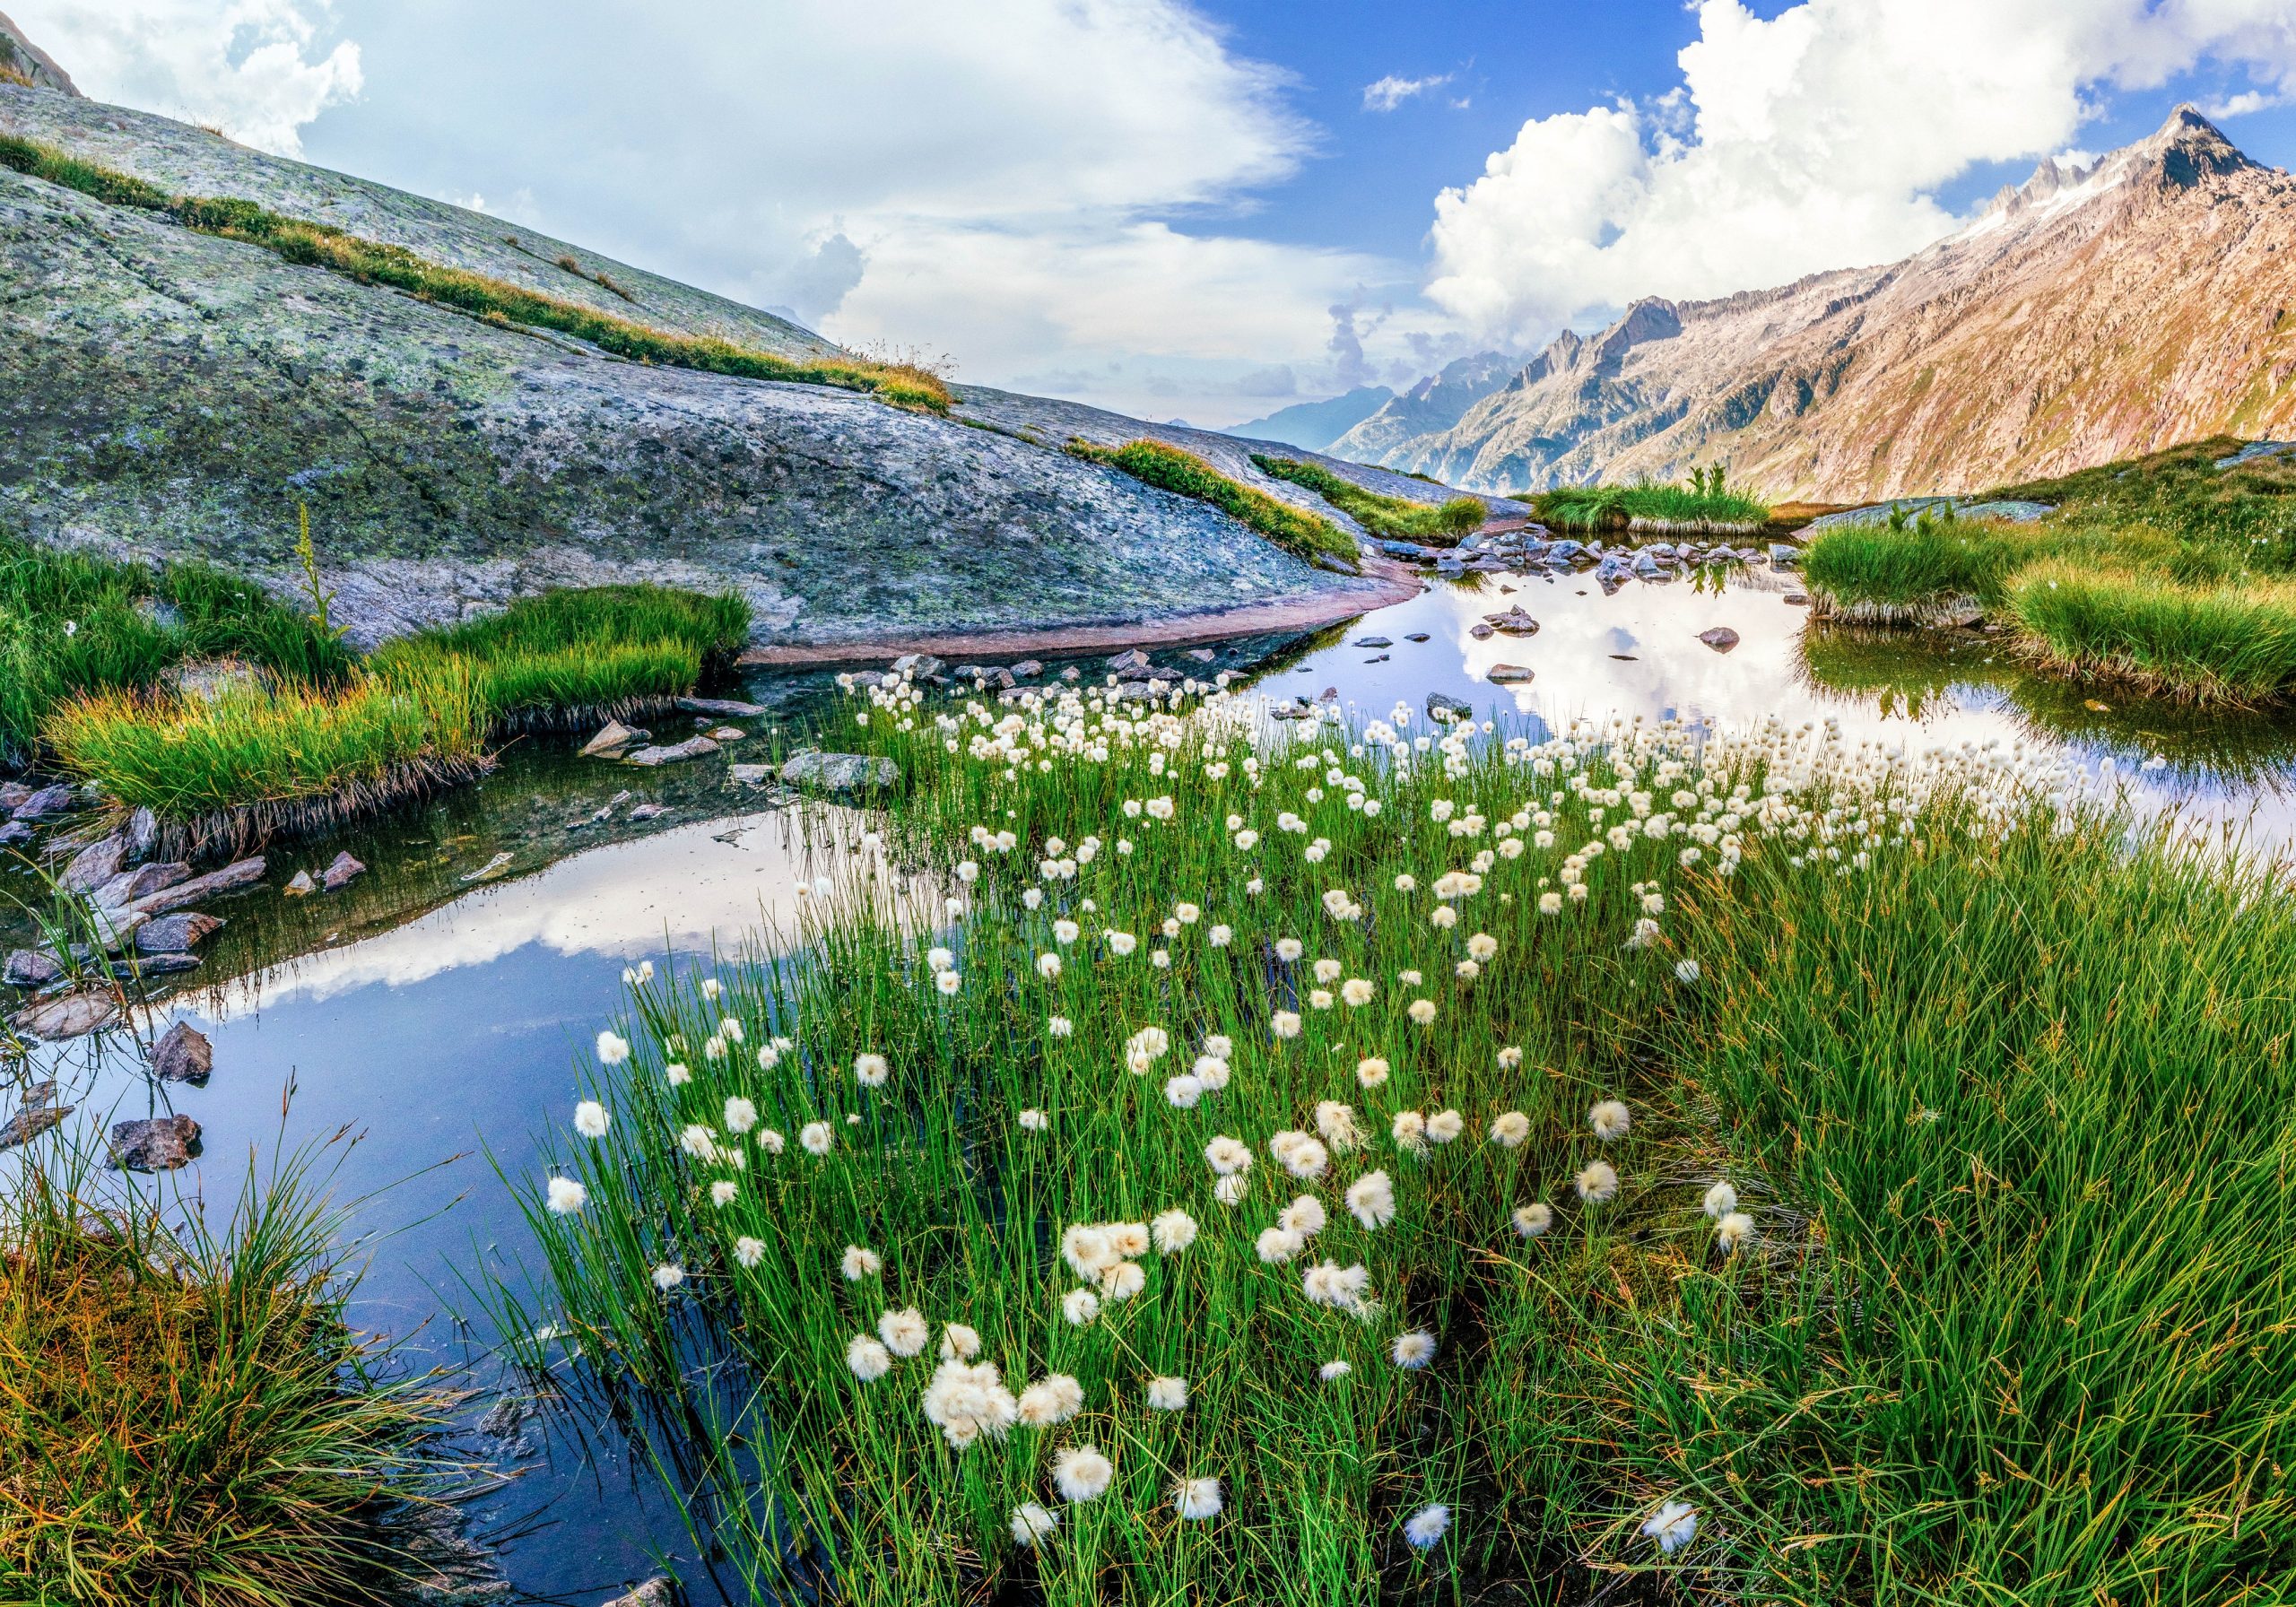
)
(66, 1016)
(157, 1145)
(732, 708)
(840, 772)
(341, 872)
(611, 738)
(183, 1054)
(134, 887)
(694, 747)
(31, 967)
(36, 1115)
(165, 965)
(299, 884)
(660, 1591)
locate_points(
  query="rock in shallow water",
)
(840, 772)
(611, 738)
(1504, 675)
(158, 1144)
(341, 872)
(728, 708)
(183, 1054)
(28, 967)
(36, 1115)
(660, 1591)
(692, 747)
(176, 933)
(245, 873)
(45, 803)
(68, 1015)
(1721, 638)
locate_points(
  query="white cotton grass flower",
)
(1304, 1216)
(958, 1342)
(1048, 966)
(1509, 1058)
(1080, 1306)
(1032, 1524)
(723, 1192)
(1304, 1157)
(1184, 1091)
(1065, 931)
(1319, 998)
(904, 1332)
(1336, 1123)
(1052, 1399)
(1720, 1199)
(1345, 1288)
(565, 1197)
(749, 1251)
(1414, 1350)
(1371, 1071)
(1372, 1199)
(1122, 1281)
(1289, 949)
(1422, 1011)
(612, 1049)
(1228, 1156)
(1120, 944)
(1086, 1249)
(590, 1120)
(1277, 1246)
(770, 1141)
(1673, 1526)
(1211, 1070)
(1284, 1024)
(867, 1358)
(967, 1402)
(668, 1275)
(1409, 1131)
(1609, 1119)
(1357, 991)
(1173, 1231)
(1060, 1026)
(870, 1070)
(1081, 1473)
(1733, 1232)
(1233, 1190)
(1686, 972)
(1483, 947)
(948, 982)
(741, 1114)
(1033, 1120)
(678, 1075)
(1127, 1240)
(1168, 1394)
(1533, 1219)
(1510, 1129)
(1329, 970)
(1445, 1126)
(1197, 1499)
(857, 1264)
(730, 1030)
(816, 1137)
(1427, 1526)
(1597, 1183)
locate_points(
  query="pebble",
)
(156, 1144)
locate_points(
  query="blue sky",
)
(1194, 210)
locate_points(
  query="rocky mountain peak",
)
(22, 59)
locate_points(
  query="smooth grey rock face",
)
(133, 887)
(840, 772)
(28, 967)
(1721, 638)
(164, 393)
(341, 872)
(47, 802)
(692, 747)
(1506, 675)
(66, 1016)
(239, 873)
(94, 865)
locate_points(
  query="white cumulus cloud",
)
(249, 67)
(1814, 139)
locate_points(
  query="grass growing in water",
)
(2222, 642)
(1332, 1203)
(1397, 517)
(373, 262)
(184, 1418)
(1706, 504)
(1168, 468)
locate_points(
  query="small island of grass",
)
(1707, 505)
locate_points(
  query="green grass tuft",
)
(1397, 518)
(1168, 468)
(1705, 505)
(2222, 642)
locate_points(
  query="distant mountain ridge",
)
(1315, 425)
(2088, 314)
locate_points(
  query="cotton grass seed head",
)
(1332, 1372)
(1173, 1231)
(612, 1049)
(1533, 1219)
(1610, 1120)
(1228, 1156)
(1446, 1125)
(741, 1114)
(1414, 1350)
(668, 1275)
(1197, 1499)
(904, 1332)
(1372, 1199)
(816, 1137)
(1422, 1011)
(1304, 1216)
(1427, 1526)
(1277, 1246)
(1720, 1199)
(868, 1359)
(1052, 1399)
(1336, 1123)
(1080, 1306)
(1597, 1184)
(1233, 1190)
(1371, 1071)
(870, 1070)
(1673, 1526)
(1733, 1232)
(857, 1264)
(1081, 1473)
(565, 1197)
(1122, 1281)
(590, 1120)
(1510, 1129)
(749, 1251)
(1032, 1524)
(1167, 1394)
(959, 1343)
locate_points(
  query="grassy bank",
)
(303, 735)
(1707, 505)
(1168, 468)
(1992, 1308)
(74, 622)
(184, 1418)
(1399, 518)
(2166, 574)
(373, 262)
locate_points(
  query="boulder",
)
(732, 708)
(1514, 621)
(840, 772)
(1506, 675)
(115, 927)
(183, 1054)
(94, 865)
(13, 793)
(752, 775)
(31, 967)
(1443, 708)
(612, 737)
(918, 667)
(134, 887)
(1130, 661)
(66, 1015)
(44, 804)
(1027, 669)
(155, 1144)
(694, 747)
(165, 965)
(1481, 631)
(244, 873)
(14, 834)
(1783, 557)
(1721, 638)
(646, 812)
(735, 734)
(1373, 641)
(341, 872)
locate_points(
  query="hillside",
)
(1315, 425)
(166, 391)
(2090, 314)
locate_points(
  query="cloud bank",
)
(1815, 139)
